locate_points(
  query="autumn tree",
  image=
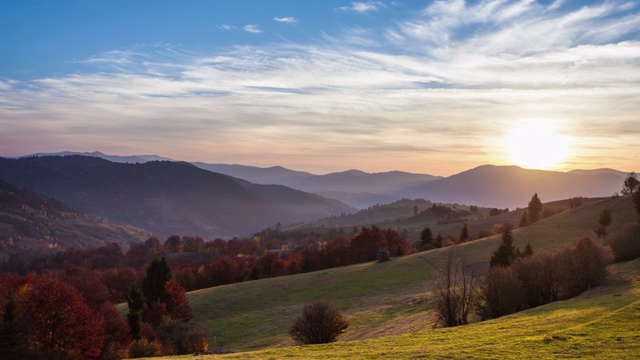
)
(534, 209)
(631, 184)
(177, 303)
(320, 323)
(61, 325)
(117, 334)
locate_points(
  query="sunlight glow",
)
(536, 144)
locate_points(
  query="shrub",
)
(501, 293)
(540, 276)
(320, 323)
(145, 348)
(583, 267)
(626, 243)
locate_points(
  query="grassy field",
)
(388, 306)
(599, 324)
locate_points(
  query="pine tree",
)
(535, 209)
(426, 237)
(505, 254)
(136, 304)
(524, 219)
(604, 221)
(153, 284)
(439, 240)
(464, 234)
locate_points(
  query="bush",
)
(583, 267)
(540, 278)
(501, 293)
(144, 348)
(626, 243)
(320, 323)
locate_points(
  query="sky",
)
(433, 87)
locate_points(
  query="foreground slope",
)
(602, 323)
(379, 299)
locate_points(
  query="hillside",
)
(31, 221)
(512, 186)
(379, 299)
(165, 197)
(599, 324)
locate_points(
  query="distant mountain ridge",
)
(512, 186)
(487, 185)
(34, 222)
(113, 158)
(166, 197)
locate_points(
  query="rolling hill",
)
(165, 197)
(379, 299)
(31, 221)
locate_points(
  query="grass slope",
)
(601, 323)
(393, 298)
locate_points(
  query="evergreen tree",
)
(506, 253)
(535, 209)
(604, 221)
(136, 304)
(464, 234)
(439, 240)
(524, 219)
(153, 284)
(426, 237)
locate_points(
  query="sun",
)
(536, 144)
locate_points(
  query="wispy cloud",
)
(226, 27)
(362, 7)
(254, 29)
(288, 20)
(409, 89)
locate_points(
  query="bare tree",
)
(455, 292)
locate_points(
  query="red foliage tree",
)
(177, 303)
(61, 324)
(117, 338)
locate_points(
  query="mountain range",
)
(170, 197)
(166, 197)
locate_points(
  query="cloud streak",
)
(439, 106)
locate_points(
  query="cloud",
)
(254, 29)
(408, 89)
(226, 27)
(362, 7)
(289, 20)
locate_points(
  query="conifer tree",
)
(136, 303)
(505, 254)
(153, 284)
(464, 234)
(438, 241)
(535, 209)
(426, 237)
